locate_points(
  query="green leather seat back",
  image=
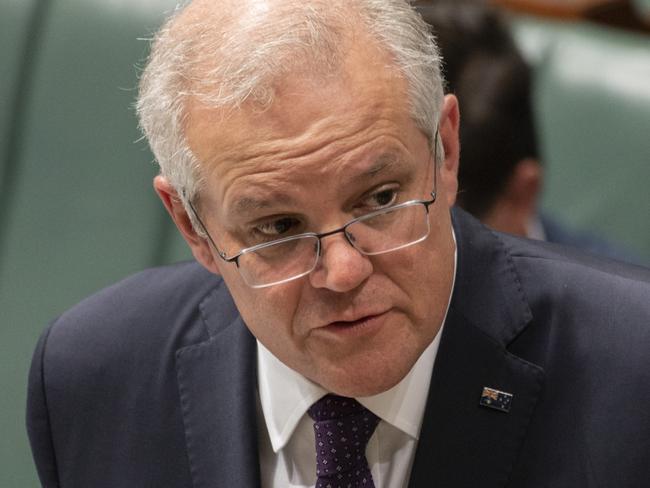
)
(82, 212)
(15, 17)
(15, 464)
(593, 103)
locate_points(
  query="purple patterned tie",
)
(342, 428)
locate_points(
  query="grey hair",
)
(236, 54)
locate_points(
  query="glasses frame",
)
(321, 235)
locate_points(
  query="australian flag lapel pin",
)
(498, 400)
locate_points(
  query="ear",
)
(172, 202)
(525, 185)
(516, 205)
(448, 131)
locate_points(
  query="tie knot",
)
(334, 407)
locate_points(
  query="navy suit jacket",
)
(152, 382)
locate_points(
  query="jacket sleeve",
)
(38, 421)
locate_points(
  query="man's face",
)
(325, 152)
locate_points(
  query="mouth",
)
(361, 325)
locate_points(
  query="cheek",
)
(423, 273)
(267, 312)
(409, 267)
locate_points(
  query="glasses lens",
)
(393, 229)
(279, 261)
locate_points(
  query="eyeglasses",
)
(283, 260)
(290, 258)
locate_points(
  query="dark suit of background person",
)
(501, 175)
(152, 382)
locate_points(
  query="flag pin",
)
(498, 400)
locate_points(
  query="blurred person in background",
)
(501, 175)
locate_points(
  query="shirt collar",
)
(285, 395)
(535, 229)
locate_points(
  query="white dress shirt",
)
(286, 434)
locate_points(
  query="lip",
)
(362, 325)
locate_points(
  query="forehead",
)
(317, 126)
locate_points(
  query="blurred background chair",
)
(628, 14)
(502, 168)
(77, 211)
(592, 102)
(592, 99)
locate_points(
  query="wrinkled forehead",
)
(309, 112)
(319, 146)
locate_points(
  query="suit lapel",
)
(216, 380)
(463, 444)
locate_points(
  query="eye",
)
(384, 197)
(276, 228)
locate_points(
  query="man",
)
(309, 159)
(501, 178)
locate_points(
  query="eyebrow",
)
(382, 164)
(249, 204)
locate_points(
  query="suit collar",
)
(462, 443)
(488, 290)
(216, 381)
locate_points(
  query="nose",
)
(341, 267)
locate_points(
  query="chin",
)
(365, 381)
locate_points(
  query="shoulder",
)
(132, 322)
(573, 277)
(104, 374)
(588, 313)
(547, 273)
(566, 292)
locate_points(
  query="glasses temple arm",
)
(221, 254)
